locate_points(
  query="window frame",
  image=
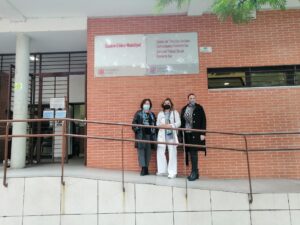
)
(289, 70)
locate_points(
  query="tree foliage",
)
(161, 4)
(239, 10)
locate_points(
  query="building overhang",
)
(62, 25)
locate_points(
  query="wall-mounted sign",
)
(154, 54)
(172, 54)
(57, 103)
(18, 86)
(60, 114)
(205, 49)
(48, 114)
(120, 55)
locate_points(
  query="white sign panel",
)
(153, 54)
(175, 53)
(57, 103)
(120, 55)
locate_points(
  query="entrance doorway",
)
(77, 111)
(52, 75)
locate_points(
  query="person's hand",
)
(202, 137)
(165, 125)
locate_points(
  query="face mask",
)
(192, 102)
(146, 107)
(167, 107)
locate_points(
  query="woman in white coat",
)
(165, 119)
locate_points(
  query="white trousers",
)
(162, 165)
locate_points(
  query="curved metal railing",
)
(65, 135)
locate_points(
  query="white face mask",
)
(146, 107)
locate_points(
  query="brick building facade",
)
(272, 39)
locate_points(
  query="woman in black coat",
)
(193, 117)
(144, 116)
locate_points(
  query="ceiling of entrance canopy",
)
(60, 25)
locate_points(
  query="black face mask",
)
(167, 107)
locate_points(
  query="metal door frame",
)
(40, 103)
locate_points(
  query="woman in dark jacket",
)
(193, 117)
(144, 116)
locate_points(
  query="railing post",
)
(184, 163)
(249, 173)
(63, 151)
(123, 185)
(6, 154)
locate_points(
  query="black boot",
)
(146, 171)
(189, 177)
(143, 171)
(194, 175)
(195, 172)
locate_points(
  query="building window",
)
(239, 77)
(297, 78)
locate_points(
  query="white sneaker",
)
(161, 174)
(171, 176)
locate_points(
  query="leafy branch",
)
(239, 10)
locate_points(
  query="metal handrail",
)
(149, 126)
(64, 135)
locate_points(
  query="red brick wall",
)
(272, 39)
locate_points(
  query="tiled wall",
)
(43, 201)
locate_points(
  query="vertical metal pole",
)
(67, 129)
(6, 154)
(54, 91)
(55, 123)
(67, 100)
(123, 185)
(40, 102)
(32, 111)
(68, 78)
(1, 63)
(9, 93)
(249, 174)
(184, 160)
(63, 151)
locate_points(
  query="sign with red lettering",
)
(120, 55)
(152, 54)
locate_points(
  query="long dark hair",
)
(145, 100)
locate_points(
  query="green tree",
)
(239, 10)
